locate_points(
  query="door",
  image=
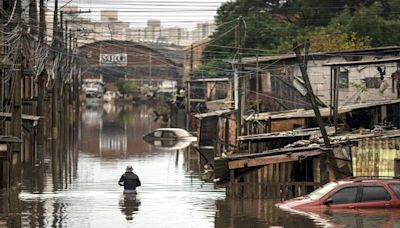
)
(343, 198)
(374, 196)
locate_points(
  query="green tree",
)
(126, 87)
(335, 39)
(270, 26)
(383, 30)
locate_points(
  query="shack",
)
(357, 76)
(206, 95)
(215, 134)
(300, 123)
(286, 164)
(295, 170)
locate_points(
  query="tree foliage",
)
(335, 39)
(126, 87)
(270, 26)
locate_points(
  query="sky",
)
(182, 13)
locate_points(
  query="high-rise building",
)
(152, 23)
(108, 15)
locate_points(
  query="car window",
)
(344, 195)
(396, 189)
(320, 192)
(169, 134)
(374, 193)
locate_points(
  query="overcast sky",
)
(183, 13)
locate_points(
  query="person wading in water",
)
(129, 180)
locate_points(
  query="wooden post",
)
(41, 90)
(336, 96)
(2, 71)
(257, 86)
(16, 128)
(188, 88)
(323, 157)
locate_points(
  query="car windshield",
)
(317, 194)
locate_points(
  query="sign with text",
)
(113, 59)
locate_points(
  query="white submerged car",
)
(169, 138)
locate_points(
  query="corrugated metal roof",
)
(214, 113)
(253, 60)
(325, 112)
(364, 62)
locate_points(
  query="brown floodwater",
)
(81, 190)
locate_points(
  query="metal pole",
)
(237, 85)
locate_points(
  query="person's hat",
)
(129, 168)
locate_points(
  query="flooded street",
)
(85, 193)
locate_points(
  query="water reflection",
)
(129, 205)
(81, 189)
(364, 218)
(258, 213)
(116, 131)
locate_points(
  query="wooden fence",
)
(281, 190)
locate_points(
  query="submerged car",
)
(352, 193)
(169, 138)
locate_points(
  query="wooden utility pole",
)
(16, 115)
(323, 158)
(257, 85)
(2, 71)
(33, 23)
(55, 97)
(336, 96)
(41, 90)
(16, 124)
(187, 107)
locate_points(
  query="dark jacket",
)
(129, 180)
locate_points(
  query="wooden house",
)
(358, 76)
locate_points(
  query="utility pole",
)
(2, 71)
(188, 88)
(33, 23)
(323, 158)
(257, 85)
(41, 91)
(16, 124)
(16, 115)
(237, 83)
(54, 98)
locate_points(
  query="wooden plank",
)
(8, 115)
(6, 175)
(260, 161)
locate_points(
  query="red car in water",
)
(352, 193)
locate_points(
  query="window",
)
(372, 83)
(158, 134)
(345, 195)
(344, 79)
(374, 193)
(396, 189)
(320, 192)
(169, 134)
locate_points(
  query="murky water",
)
(85, 193)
